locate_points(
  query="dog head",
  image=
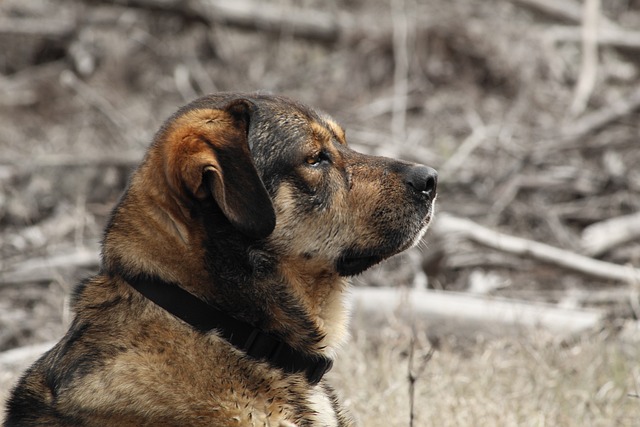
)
(257, 204)
(268, 172)
(341, 210)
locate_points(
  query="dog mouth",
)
(355, 261)
(351, 264)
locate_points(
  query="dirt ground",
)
(531, 124)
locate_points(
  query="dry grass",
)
(526, 381)
(529, 380)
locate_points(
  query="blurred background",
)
(521, 305)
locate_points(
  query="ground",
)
(532, 136)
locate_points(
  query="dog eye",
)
(318, 159)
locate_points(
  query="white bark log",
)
(604, 270)
(478, 313)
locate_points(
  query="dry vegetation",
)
(524, 381)
(530, 119)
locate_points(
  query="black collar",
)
(204, 317)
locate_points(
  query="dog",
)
(220, 299)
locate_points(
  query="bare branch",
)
(53, 28)
(598, 119)
(567, 10)
(88, 94)
(602, 236)
(539, 251)
(616, 37)
(589, 68)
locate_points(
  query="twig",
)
(93, 98)
(539, 251)
(593, 121)
(602, 236)
(566, 10)
(372, 142)
(384, 105)
(609, 33)
(576, 297)
(615, 37)
(414, 374)
(478, 135)
(589, 68)
(400, 70)
(182, 79)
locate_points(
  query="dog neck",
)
(322, 293)
(254, 342)
(301, 305)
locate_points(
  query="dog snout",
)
(422, 179)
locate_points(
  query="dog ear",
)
(212, 159)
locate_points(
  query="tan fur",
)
(254, 204)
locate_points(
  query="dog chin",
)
(426, 223)
(354, 264)
(421, 233)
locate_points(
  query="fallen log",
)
(542, 252)
(604, 235)
(455, 310)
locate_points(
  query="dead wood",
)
(262, 16)
(577, 297)
(20, 89)
(23, 355)
(539, 251)
(615, 37)
(559, 9)
(566, 10)
(62, 160)
(589, 67)
(608, 32)
(88, 94)
(45, 269)
(604, 235)
(596, 120)
(58, 27)
(474, 312)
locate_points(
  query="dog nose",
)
(422, 179)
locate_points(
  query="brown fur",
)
(252, 203)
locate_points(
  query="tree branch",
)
(539, 251)
(604, 235)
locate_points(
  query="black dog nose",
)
(423, 179)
